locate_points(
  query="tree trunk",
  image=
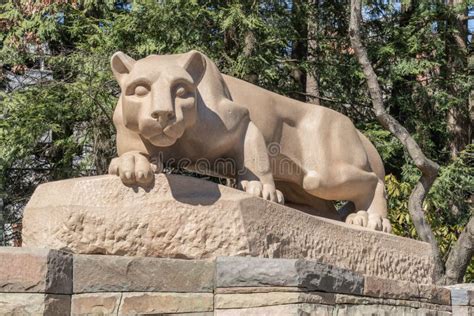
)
(460, 256)
(312, 80)
(2, 224)
(249, 47)
(459, 125)
(299, 50)
(428, 168)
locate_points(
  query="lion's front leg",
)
(255, 174)
(135, 167)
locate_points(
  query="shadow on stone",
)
(193, 191)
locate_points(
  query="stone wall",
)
(51, 282)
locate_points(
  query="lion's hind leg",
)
(297, 197)
(372, 210)
(350, 183)
(373, 205)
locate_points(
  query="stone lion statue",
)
(180, 108)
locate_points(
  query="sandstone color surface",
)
(189, 218)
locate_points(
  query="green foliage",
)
(61, 127)
(389, 148)
(448, 205)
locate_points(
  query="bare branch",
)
(429, 169)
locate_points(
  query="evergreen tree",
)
(58, 93)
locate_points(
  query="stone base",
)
(119, 285)
(184, 217)
(34, 304)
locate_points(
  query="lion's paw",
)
(265, 191)
(133, 168)
(372, 221)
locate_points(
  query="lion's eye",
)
(180, 92)
(141, 91)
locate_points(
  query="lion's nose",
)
(163, 116)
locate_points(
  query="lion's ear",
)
(195, 65)
(121, 65)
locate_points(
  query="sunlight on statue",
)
(180, 107)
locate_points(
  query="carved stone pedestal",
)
(189, 218)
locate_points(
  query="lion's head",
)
(159, 94)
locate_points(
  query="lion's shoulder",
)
(215, 95)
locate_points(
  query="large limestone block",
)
(377, 287)
(306, 309)
(93, 273)
(308, 274)
(140, 303)
(95, 303)
(183, 217)
(350, 310)
(227, 301)
(279, 310)
(165, 303)
(35, 270)
(34, 304)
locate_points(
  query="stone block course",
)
(383, 288)
(35, 270)
(311, 275)
(96, 273)
(136, 303)
(256, 289)
(305, 309)
(34, 304)
(435, 294)
(150, 302)
(96, 303)
(279, 310)
(222, 301)
(350, 310)
(117, 285)
(344, 299)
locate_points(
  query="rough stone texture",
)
(35, 270)
(95, 303)
(279, 310)
(343, 299)
(435, 294)
(133, 303)
(306, 309)
(271, 298)
(256, 289)
(229, 286)
(183, 217)
(311, 275)
(149, 302)
(34, 304)
(442, 308)
(350, 310)
(94, 273)
(378, 287)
